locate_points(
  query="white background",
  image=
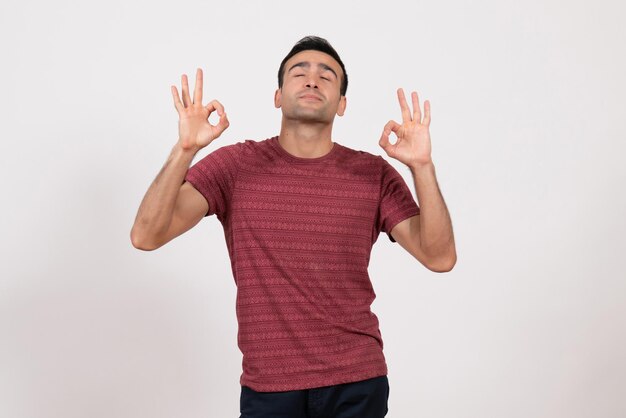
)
(528, 104)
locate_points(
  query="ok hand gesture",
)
(194, 130)
(413, 144)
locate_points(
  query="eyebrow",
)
(306, 64)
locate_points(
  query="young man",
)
(300, 214)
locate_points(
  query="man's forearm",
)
(435, 226)
(156, 209)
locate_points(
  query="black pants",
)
(364, 399)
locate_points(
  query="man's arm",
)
(427, 236)
(169, 209)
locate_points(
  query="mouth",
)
(311, 97)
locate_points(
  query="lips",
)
(310, 96)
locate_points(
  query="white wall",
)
(528, 104)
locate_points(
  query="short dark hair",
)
(314, 43)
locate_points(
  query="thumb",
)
(222, 124)
(391, 126)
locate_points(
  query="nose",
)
(311, 82)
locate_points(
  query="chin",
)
(307, 116)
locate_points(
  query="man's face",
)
(311, 88)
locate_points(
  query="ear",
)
(342, 106)
(277, 97)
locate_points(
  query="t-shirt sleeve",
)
(396, 202)
(214, 177)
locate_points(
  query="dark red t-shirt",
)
(299, 233)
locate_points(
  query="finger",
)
(177, 103)
(197, 94)
(215, 105)
(426, 113)
(417, 113)
(185, 87)
(406, 113)
(391, 126)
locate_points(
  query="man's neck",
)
(306, 140)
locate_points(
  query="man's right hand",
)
(194, 130)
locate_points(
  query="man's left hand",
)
(413, 146)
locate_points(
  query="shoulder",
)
(363, 160)
(237, 149)
(254, 147)
(375, 167)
